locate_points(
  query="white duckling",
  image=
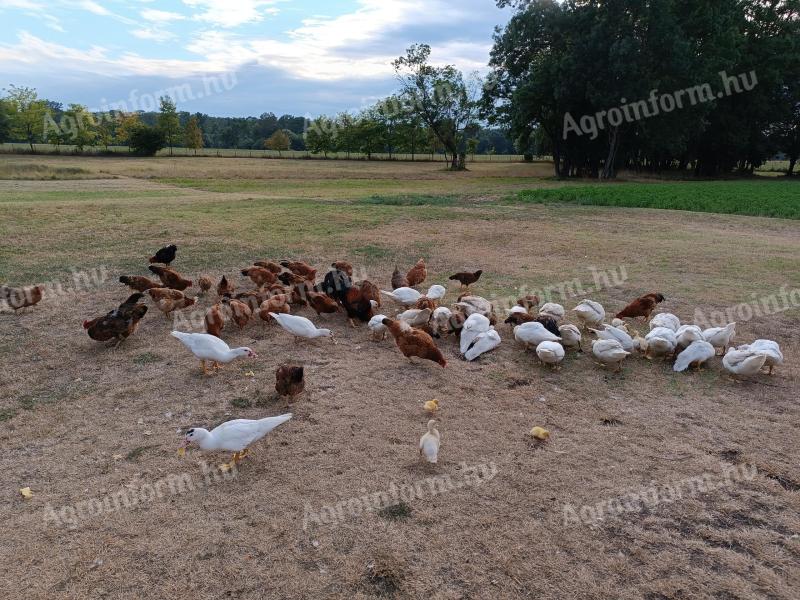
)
(571, 336)
(416, 316)
(667, 320)
(720, 337)
(770, 348)
(590, 313)
(234, 436)
(403, 295)
(550, 353)
(696, 353)
(300, 326)
(686, 334)
(377, 327)
(210, 348)
(429, 443)
(552, 309)
(743, 363)
(471, 305)
(533, 333)
(486, 341)
(473, 327)
(619, 323)
(660, 342)
(614, 333)
(435, 292)
(441, 316)
(609, 352)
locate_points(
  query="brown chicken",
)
(465, 278)
(343, 265)
(641, 307)
(322, 303)
(299, 293)
(139, 283)
(215, 320)
(371, 291)
(259, 275)
(289, 278)
(170, 278)
(425, 302)
(225, 287)
(289, 380)
(413, 342)
(240, 311)
(398, 279)
(356, 303)
(170, 305)
(275, 304)
(205, 283)
(119, 323)
(528, 302)
(298, 267)
(161, 293)
(417, 274)
(253, 298)
(269, 265)
(518, 318)
(22, 297)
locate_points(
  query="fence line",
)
(66, 149)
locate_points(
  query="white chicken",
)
(660, 342)
(533, 333)
(609, 352)
(720, 337)
(667, 320)
(377, 327)
(695, 354)
(768, 347)
(614, 333)
(486, 341)
(234, 436)
(590, 313)
(743, 363)
(552, 309)
(571, 336)
(473, 327)
(403, 295)
(550, 353)
(686, 334)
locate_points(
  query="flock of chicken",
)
(280, 288)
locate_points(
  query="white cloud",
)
(153, 34)
(231, 13)
(161, 16)
(92, 7)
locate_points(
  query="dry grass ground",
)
(83, 422)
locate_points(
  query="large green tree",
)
(27, 114)
(168, 122)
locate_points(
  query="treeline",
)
(657, 84)
(385, 128)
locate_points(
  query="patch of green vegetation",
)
(410, 200)
(763, 197)
(147, 358)
(7, 414)
(241, 403)
(78, 196)
(32, 171)
(372, 252)
(401, 510)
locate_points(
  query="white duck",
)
(667, 320)
(473, 327)
(550, 353)
(743, 363)
(416, 316)
(619, 324)
(471, 305)
(695, 354)
(377, 327)
(486, 341)
(720, 337)
(435, 292)
(552, 309)
(686, 334)
(403, 295)
(516, 309)
(661, 341)
(590, 313)
(441, 316)
(770, 348)
(609, 352)
(571, 336)
(533, 333)
(210, 348)
(614, 333)
(234, 436)
(300, 326)
(429, 443)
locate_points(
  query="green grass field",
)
(763, 198)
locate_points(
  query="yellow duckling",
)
(432, 405)
(540, 433)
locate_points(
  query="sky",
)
(233, 57)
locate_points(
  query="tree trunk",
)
(792, 162)
(613, 145)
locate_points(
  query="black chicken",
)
(165, 255)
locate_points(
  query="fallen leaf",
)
(26, 493)
(181, 451)
(249, 374)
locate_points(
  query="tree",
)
(27, 114)
(78, 122)
(321, 136)
(105, 130)
(168, 122)
(193, 135)
(441, 99)
(472, 147)
(5, 120)
(278, 142)
(146, 140)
